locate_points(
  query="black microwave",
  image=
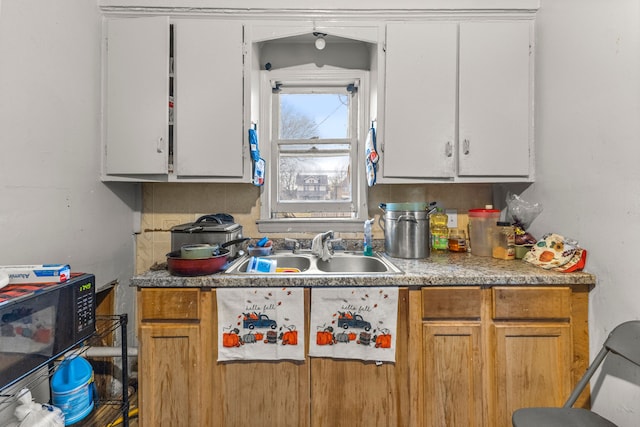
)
(42, 321)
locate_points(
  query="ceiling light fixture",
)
(320, 41)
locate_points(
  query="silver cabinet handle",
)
(448, 150)
(160, 145)
(465, 146)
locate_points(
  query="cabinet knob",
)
(465, 146)
(160, 145)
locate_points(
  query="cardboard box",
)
(41, 273)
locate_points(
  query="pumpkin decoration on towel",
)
(325, 337)
(231, 339)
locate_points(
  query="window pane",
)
(314, 115)
(305, 177)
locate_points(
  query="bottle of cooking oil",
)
(439, 231)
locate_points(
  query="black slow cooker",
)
(212, 229)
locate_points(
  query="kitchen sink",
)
(352, 264)
(303, 262)
(284, 261)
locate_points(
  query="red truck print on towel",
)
(348, 320)
(256, 320)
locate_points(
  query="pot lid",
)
(217, 223)
(407, 206)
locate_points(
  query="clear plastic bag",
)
(521, 214)
(32, 414)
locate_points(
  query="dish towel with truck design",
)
(260, 324)
(354, 323)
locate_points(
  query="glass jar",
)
(504, 242)
(457, 240)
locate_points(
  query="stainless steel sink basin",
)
(342, 262)
(352, 264)
(285, 260)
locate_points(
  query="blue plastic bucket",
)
(72, 389)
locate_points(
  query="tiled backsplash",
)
(166, 204)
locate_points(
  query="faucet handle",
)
(293, 244)
(335, 244)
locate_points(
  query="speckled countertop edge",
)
(450, 269)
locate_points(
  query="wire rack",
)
(109, 410)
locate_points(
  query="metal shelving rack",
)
(107, 411)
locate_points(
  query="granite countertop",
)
(436, 270)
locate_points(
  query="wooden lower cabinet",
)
(170, 359)
(169, 392)
(356, 393)
(532, 367)
(452, 375)
(465, 356)
(489, 351)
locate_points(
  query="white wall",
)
(53, 207)
(588, 179)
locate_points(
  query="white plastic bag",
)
(33, 414)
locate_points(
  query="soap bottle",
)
(439, 230)
(368, 238)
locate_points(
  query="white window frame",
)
(318, 78)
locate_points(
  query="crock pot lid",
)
(205, 227)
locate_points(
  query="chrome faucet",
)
(294, 244)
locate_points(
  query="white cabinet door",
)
(420, 100)
(495, 99)
(137, 96)
(208, 98)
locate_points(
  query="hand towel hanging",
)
(258, 162)
(371, 157)
(354, 323)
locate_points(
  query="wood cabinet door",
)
(452, 381)
(170, 386)
(420, 100)
(137, 96)
(358, 393)
(532, 367)
(208, 98)
(495, 111)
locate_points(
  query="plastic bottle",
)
(368, 238)
(439, 230)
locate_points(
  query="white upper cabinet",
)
(458, 102)
(208, 98)
(420, 100)
(495, 99)
(137, 94)
(204, 140)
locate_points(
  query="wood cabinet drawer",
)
(531, 303)
(169, 304)
(451, 303)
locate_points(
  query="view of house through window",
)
(315, 144)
